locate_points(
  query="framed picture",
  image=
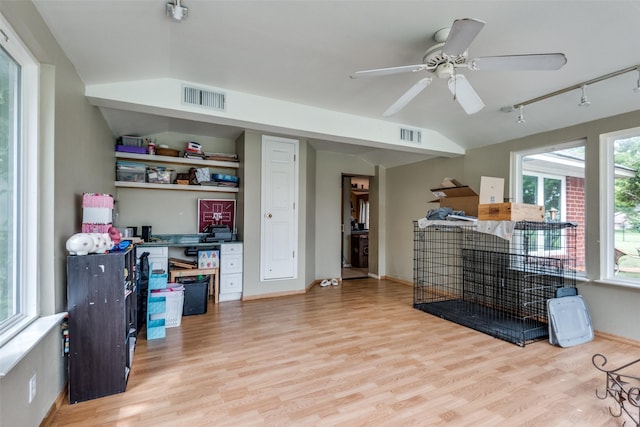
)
(209, 259)
(216, 212)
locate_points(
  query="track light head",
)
(521, 115)
(584, 102)
(176, 11)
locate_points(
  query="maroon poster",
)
(216, 212)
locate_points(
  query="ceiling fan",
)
(450, 53)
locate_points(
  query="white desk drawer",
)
(231, 263)
(158, 256)
(230, 248)
(231, 283)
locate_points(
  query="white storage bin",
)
(173, 315)
(173, 312)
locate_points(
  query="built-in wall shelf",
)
(149, 158)
(177, 160)
(152, 186)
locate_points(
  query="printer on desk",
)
(217, 233)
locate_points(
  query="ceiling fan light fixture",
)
(176, 11)
(520, 115)
(445, 71)
(584, 102)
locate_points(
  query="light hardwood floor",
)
(354, 273)
(350, 355)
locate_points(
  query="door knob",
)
(269, 215)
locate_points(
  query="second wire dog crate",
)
(491, 284)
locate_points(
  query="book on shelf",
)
(189, 155)
(225, 157)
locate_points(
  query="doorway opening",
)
(355, 227)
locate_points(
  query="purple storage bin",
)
(131, 149)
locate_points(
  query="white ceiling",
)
(304, 52)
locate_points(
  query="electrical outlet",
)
(32, 387)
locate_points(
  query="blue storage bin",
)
(156, 329)
(224, 177)
(156, 305)
(158, 281)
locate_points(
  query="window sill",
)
(17, 348)
(619, 283)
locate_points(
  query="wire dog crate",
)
(490, 284)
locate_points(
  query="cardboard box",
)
(510, 212)
(461, 198)
(491, 190)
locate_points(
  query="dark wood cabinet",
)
(360, 250)
(102, 305)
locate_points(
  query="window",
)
(620, 206)
(547, 191)
(553, 177)
(18, 184)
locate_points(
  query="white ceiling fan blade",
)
(387, 71)
(463, 32)
(408, 96)
(542, 61)
(464, 93)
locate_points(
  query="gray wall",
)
(45, 361)
(329, 170)
(241, 196)
(614, 309)
(310, 232)
(408, 196)
(74, 141)
(377, 220)
(249, 150)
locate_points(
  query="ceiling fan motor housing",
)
(444, 71)
(442, 65)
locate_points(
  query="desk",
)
(214, 284)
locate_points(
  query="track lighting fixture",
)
(521, 115)
(584, 102)
(176, 11)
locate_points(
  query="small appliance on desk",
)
(217, 233)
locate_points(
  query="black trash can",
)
(196, 295)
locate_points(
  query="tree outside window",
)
(626, 208)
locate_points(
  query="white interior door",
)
(279, 231)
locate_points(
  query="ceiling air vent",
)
(204, 98)
(411, 135)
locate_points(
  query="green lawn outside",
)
(628, 242)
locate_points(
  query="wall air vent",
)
(204, 98)
(411, 135)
